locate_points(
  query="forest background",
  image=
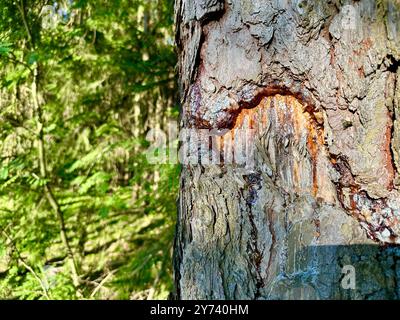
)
(83, 215)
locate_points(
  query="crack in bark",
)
(393, 68)
(253, 185)
(272, 250)
(232, 113)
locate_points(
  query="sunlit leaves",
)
(5, 48)
(20, 73)
(3, 173)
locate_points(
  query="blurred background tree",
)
(82, 214)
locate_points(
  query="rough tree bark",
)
(318, 83)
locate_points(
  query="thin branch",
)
(14, 59)
(47, 188)
(102, 282)
(26, 265)
(21, 8)
(42, 154)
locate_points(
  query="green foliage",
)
(105, 76)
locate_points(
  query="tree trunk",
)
(310, 209)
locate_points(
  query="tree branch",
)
(47, 188)
(21, 7)
(26, 265)
(16, 61)
(42, 155)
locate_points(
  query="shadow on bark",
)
(339, 272)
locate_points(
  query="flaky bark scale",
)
(318, 81)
